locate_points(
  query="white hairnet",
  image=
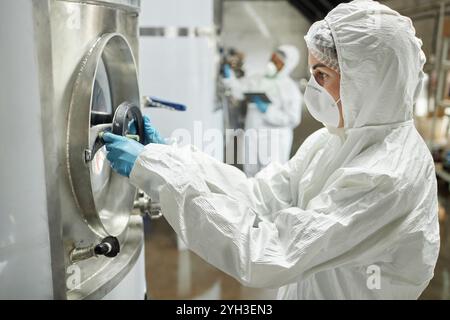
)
(320, 42)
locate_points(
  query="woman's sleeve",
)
(251, 228)
(287, 113)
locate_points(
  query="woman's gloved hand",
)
(151, 134)
(261, 105)
(122, 152)
(227, 71)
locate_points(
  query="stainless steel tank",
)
(87, 64)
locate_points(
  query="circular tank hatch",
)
(106, 82)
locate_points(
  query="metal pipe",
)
(80, 254)
(419, 9)
(432, 14)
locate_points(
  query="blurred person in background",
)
(274, 122)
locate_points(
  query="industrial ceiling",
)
(315, 10)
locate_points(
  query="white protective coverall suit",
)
(275, 127)
(353, 215)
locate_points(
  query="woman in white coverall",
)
(273, 122)
(353, 215)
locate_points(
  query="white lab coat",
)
(353, 215)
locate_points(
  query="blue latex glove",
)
(151, 134)
(122, 152)
(227, 71)
(261, 105)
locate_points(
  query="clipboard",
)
(261, 95)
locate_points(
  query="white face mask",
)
(321, 104)
(271, 70)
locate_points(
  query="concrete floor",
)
(174, 274)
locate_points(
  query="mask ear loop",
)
(337, 106)
(338, 51)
